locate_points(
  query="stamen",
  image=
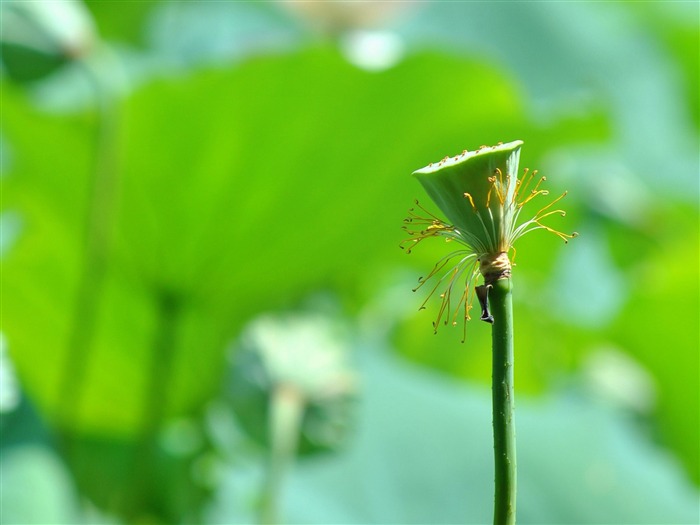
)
(488, 195)
(493, 180)
(532, 196)
(542, 179)
(513, 199)
(552, 203)
(553, 212)
(422, 306)
(446, 296)
(426, 211)
(532, 174)
(439, 266)
(435, 227)
(414, 241)
(463, 298)
(445, 301)
(465, 295)
(563, 236)
(471, 201)
(467, 263)
(501, 196)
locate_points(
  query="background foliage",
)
(171, 171)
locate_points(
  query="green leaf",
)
(273, 185)
(653, 328)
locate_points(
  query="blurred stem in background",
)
(286, 412)
(292, 389)
(38, 39)
(100, 203)
(144, 469)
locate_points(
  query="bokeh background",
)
(206, 317)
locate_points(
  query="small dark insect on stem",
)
(482, 293)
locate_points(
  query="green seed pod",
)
(482, 197)
(474, 190)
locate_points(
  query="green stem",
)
(501, 303)
(96, 242)
(285, 417)
(145, 467)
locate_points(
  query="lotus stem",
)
(501, 303)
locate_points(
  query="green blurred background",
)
(205, 314)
